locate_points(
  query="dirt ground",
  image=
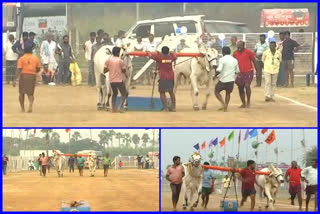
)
(122, 190)
(214, 203)
(58, 106)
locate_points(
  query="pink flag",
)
(246, 135)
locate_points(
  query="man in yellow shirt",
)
(271, 59)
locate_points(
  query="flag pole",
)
(258, 146)
(232, 144)
(224, 158)
(69, 141)
(247, 150)
(304, 148)
(291, 144)
(238, 158)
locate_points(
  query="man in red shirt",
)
(166, 82)
(245, 59)
(248, 178)
(294, 174)
(174, 175)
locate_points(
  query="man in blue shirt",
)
(207, 181)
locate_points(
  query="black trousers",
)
(11, 67)
(115, 86)
(44, 170)
(259, 72)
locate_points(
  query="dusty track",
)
(76, 107)
(122, 190)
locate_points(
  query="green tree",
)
(136, 140)
(104, 136)
(311, 154)
(112, 133)
(119, 136)
(76, 136)
(127, 140)
(145, 139)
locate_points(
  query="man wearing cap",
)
(28, 67)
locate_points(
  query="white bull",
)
(200, 70)
(192, 182)
(103, 86)
(92, 163)
(271, 185)
(59, 163)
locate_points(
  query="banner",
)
(57, 25)
(285, 18)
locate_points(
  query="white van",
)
(166, 26)
(170, 26)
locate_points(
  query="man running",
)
(294, 174)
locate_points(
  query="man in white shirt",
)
(310, 176)
(151, 45)
(139, 46)
(88, 48)
(120, 41)
(226, 72)
(47, 52)
(11, 59)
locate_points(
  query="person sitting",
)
(47, 75)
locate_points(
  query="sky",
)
(181, 141)
(85, 133)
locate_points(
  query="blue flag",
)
(197, 147)
(253, 133)
(213, 142)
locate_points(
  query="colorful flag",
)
(197, 147)
(263, 131)
(239, 139)
(211, 143)
(223, 142)
(203, 146)
(246, 135)
(253, 133)
(68, 130)
(215, 142)
(271, 137)
(231, 135)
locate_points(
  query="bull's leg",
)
(127, 84)
(185, 197)
(204, 105)
(273, 195)
(260, 198)
(269, 197)
(195, 94)
(176, 80)
(98, 90)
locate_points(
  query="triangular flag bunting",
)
(271, 137)
(223, 142)
(203, 146)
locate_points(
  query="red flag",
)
(271, 137)
(203, 146)
(223, 142)
(263, 131)
(68, 130)
(34, 131)
(239, 139)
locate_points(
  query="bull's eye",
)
(209, 55)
